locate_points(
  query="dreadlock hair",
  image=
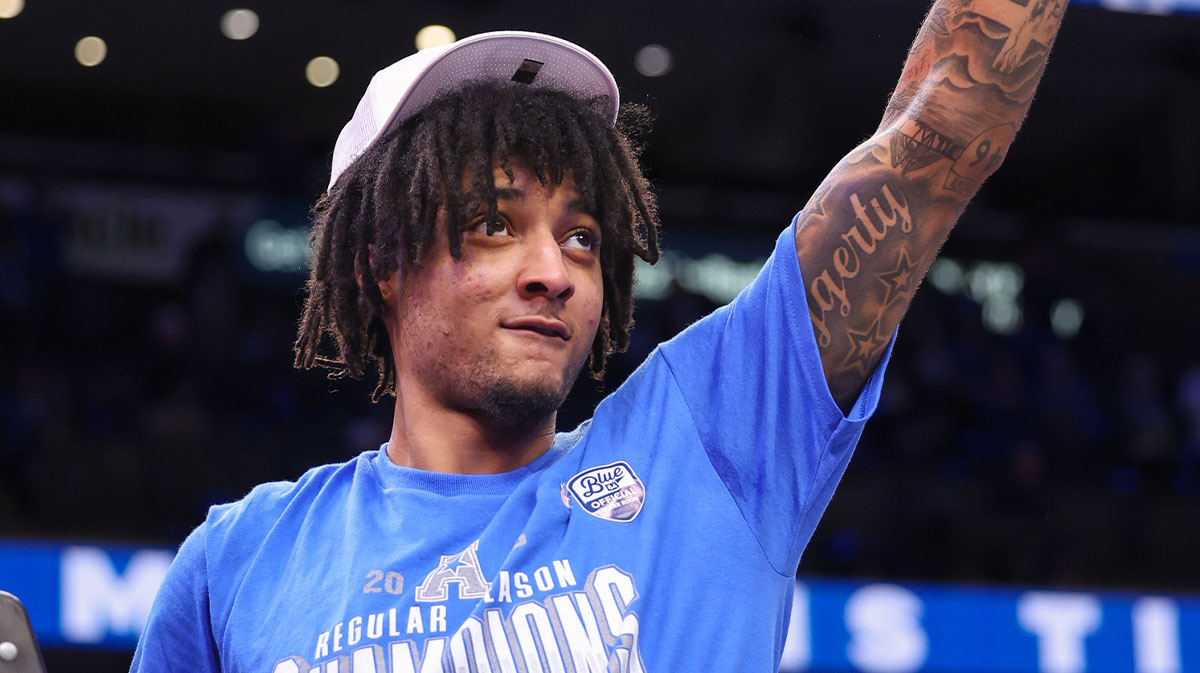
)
(384, 208)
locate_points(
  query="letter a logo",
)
(461, 568)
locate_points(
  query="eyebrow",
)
(509, 194)
(514, 194)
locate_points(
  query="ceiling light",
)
(434, 36)
(322, 71)
(239, 24)
(653, 60)
(11, 8)
(90, 51)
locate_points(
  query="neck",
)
(429, 436)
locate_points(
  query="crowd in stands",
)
(127, 408)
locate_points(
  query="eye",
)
(489, 226)
(583, 239)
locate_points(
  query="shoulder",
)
(269, 505)
(262, 529)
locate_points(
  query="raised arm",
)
(870, 232)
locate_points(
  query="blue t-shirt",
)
(662, 535)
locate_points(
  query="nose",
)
(544, 271)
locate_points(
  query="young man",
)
(476, 246)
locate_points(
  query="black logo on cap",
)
(528, 70)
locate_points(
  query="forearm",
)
(870, 232)
(969, 80)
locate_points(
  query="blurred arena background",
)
(1026, 499)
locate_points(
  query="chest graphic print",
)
(541, 619)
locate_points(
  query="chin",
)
(520, 405)
(519, 394)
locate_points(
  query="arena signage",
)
(82, 595)
(1147, 6)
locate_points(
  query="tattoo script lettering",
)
(869, 227)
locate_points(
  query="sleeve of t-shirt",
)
(752, 379)
(178, 634)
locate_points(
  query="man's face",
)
(503, 332)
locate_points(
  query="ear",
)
(388, 287)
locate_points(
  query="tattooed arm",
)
(870, 232)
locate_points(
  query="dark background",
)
(127, 406)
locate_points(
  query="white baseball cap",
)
(404, 88)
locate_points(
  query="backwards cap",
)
(404, 88)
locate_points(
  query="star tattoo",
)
(863, 345)
(898, 280)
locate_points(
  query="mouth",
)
(544, 326)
